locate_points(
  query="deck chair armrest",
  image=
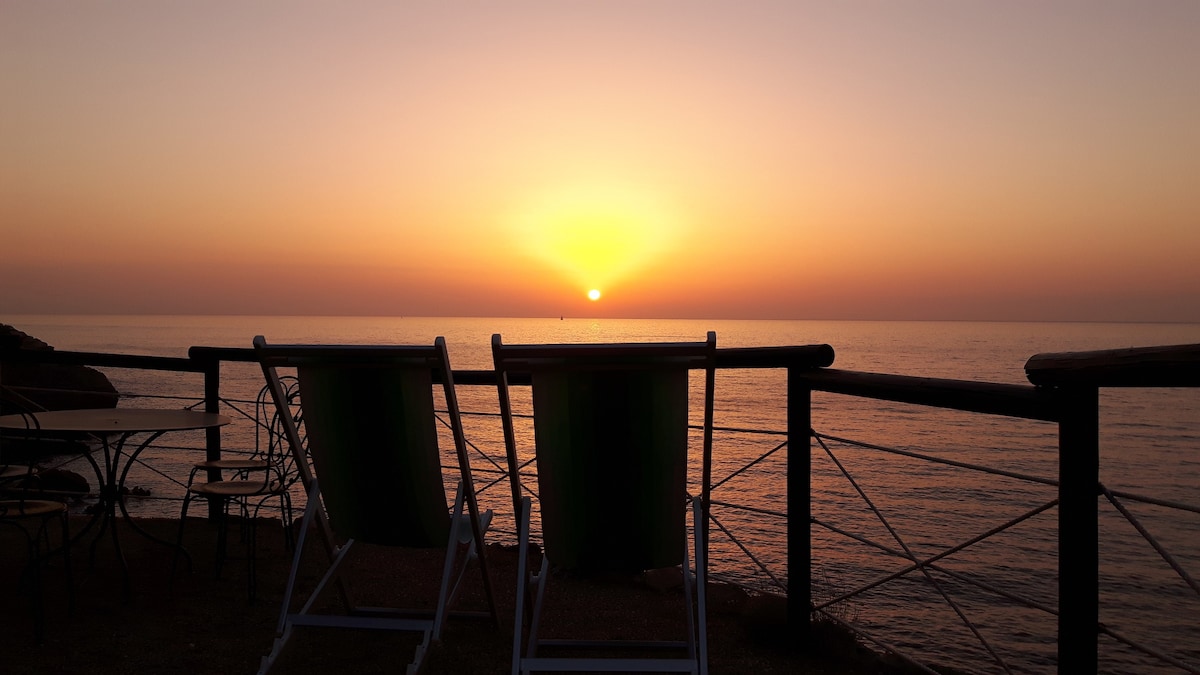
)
(462, 525)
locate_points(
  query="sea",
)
(1150, 445)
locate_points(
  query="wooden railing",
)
(1063, 390)
(1073, 381)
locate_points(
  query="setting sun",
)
(596, 234)
(781, 163)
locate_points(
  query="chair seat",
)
(24, 515)
(233, 464)
(13, 471)
(30, 508)
(234, 488)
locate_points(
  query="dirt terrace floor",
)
(204, 624)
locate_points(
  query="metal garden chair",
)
(22, 510)
(249, 482)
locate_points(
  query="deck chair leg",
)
(689, 609)
(446, 592)
(540, 581)
(522, 578)
(314, 495)
(330, 575)
(471, 555)
(276, 649)
(283, 628)
(701, 587)
(462, 560)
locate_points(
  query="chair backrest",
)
(371, 434)
(271, 437)
(12, 474)
(610, 439)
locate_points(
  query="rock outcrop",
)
(48, 386)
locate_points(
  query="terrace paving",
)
(202, 624)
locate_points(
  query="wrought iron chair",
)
(611, 444)
(22, 510)
(376, 475)
(269, 472)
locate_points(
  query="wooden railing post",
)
(1078, 530)
(799, 504)
(212, 440)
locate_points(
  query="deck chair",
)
(610, 444)
(376, 475)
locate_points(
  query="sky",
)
(1023, 160)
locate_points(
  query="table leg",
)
(120, 487)
(112, 477)
(97, 514)
(109, 496)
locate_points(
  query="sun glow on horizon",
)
(595, 236)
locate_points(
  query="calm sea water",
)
(1149, 442)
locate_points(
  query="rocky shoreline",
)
(47, 386)
(30, 387)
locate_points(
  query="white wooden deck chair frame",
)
(353, 415)
(647, 361)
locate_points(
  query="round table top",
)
(114, 420)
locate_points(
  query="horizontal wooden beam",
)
(1011, 400)
(1167, 366)
(100, 359)
(797, 356)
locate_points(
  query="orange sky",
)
(869, 160)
